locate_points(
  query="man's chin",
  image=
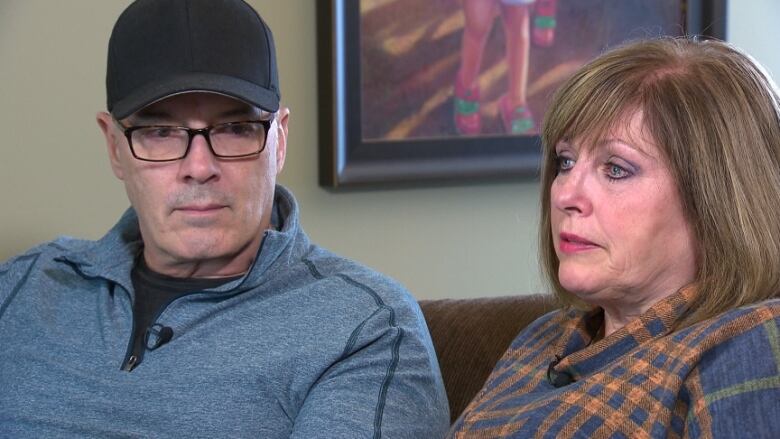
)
(201, 221)
(197, 244)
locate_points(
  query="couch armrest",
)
(470, 335)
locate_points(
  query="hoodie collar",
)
(112, 257)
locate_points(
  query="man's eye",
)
(240, 129)
(236, 130)
(162, 132)
(158, 132)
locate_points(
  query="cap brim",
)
(194, 82)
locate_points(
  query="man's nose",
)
(200, 164)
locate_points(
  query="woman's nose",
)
(569, 192)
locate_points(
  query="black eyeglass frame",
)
(192, 132)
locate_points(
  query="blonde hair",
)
(715, 115)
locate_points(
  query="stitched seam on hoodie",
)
(390, 373)
(18, 286)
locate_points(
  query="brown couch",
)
(470, 335)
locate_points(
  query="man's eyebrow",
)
(150, 116)
(246, 112)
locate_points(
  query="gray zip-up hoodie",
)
(306, 344)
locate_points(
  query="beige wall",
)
(54, 176)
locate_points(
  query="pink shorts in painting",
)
(517, 2)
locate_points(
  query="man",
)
(206, 311)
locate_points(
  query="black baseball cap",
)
(160, 48)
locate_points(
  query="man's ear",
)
(282, 117)
(113, 142)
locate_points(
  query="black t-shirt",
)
(153, 293)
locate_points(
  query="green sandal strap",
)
(520, 126)
(520, 123)
(463, 106)
(543, 22)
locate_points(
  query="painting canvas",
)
(442, 90)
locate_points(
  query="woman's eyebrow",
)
(610, 142)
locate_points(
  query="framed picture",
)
(418, 91)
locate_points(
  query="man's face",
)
(200, 216)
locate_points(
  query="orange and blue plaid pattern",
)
(717, 378)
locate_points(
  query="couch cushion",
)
(470, 335)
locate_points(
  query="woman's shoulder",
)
(749, 321)
(739, 368)
(767, 306)
(745, 318)
(550, 321)
(744, 339)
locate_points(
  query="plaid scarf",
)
(717, 378)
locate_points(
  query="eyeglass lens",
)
(171, 143)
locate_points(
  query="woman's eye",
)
(616, 172)
(564, 163)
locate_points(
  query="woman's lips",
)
(571, 243)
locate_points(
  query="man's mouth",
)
(200, 209)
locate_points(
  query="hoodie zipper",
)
(131, 360)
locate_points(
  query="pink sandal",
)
(517, 120)
(543, 33)
(467, 118)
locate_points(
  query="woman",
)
(660, 231)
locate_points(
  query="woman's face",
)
(617, 220)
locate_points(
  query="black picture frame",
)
(346, 160)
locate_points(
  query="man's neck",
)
(200, 269)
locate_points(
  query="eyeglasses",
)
(163, 143)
